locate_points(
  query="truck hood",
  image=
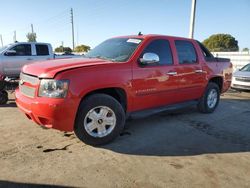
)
(48, 69)
(242, 74)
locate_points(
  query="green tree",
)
(59, 49)
(31, 37)
(82, 48)
(66, 50)
(221, 42)
(245, 50)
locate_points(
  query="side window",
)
(22, 49)
(42, 49)
(207, 55)
(186, 52)
(162, 49)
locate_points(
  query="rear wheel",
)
(210, 98)
(100, 119)
(3, 97)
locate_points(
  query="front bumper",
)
(240, 84)
(51, 113)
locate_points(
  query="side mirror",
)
(149, 58)
(10, 53)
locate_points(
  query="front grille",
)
(243, 79)
(25, 89)
(28, 91)
(29, 79)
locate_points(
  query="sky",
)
(98, 20)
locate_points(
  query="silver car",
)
(241, 78)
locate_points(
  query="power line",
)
(55, 17)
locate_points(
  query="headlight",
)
(53, 88)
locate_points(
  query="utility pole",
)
(32, 29)
(72, 24)
(192, 19)
(14, 37)
(1, 38)
(77, 36)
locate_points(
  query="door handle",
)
(172, 73)
(29, 59)
(198, 71)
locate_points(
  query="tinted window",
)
(162, 49)
(207, 55)
(22, 49)
(42, 49)
(186, 52)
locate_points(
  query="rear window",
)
(207, 55)
(186, 52)
(42, 49)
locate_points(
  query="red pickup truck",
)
(122, 77)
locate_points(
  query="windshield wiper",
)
(102, 57)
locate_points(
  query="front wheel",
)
(210, 99)
(100, 119)
(3, 97)
(2, 85)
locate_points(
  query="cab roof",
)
(147, 36)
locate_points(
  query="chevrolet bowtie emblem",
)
(21, 82)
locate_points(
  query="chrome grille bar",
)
(27, 90)
(29, 79)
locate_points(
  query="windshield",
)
(116, 49)
(246, 68)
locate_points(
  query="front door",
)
(12, 64)
(155, 85)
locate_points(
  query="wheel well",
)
(218, 81)
(117, 93)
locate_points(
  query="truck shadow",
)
(10, 184)
(187, 132)
(11, 103)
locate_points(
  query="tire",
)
(3, 97)
(2, 85)
(210, 99)
(100, 119)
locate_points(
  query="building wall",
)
(239, 59)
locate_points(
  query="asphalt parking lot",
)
(179, 149)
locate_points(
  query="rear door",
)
(153, 85)
(192, 79)
(12, 64)
(42, 52)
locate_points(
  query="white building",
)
(239, 59)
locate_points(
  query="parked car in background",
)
(14, 56)
(122, 77)
(241, 78)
